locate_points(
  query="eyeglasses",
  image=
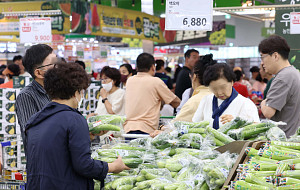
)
(262, 57)
(47, 65)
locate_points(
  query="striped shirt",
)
(31, 100)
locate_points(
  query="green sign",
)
(266, 32)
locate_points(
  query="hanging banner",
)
(188, 15)
(295, 22)
(101, 20)
(10, 24)
(35, 30)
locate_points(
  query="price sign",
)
(295, 23)
(189, 15)
(35, 30)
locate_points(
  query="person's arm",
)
(107, 104)
(267, 110)
(175, 103)
(199, 114)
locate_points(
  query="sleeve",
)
(278, 94)
(118, 102)
(164, 92)
(249, 111)
(199, 114)
(79, 146)
(25, 108)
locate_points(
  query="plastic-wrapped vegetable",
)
(128, 180)
(288, 181)
(234, 124)
(292, 145)
(250, 178)
(245, 185)
(220, 136)
(105, 123)
(276, 134)
(177, 162)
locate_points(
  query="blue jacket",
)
(58, 151)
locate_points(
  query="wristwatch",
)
(103, 100)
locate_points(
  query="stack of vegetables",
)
(276, 165)
(168, 162)
(105, 123)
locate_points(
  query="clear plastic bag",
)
(276, 134)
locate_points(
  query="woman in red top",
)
(10, 71)
(238, 86)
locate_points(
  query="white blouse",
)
(240, 107)
(117, 101)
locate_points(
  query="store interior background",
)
(245, 28)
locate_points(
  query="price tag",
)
(189, 15)
(35, 30)
(295, 22)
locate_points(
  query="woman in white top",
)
(225, 103)
(112, 98)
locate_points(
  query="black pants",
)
(135, 132)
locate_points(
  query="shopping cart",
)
(13, 162)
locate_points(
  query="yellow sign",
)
(115, 22)
(10, 24)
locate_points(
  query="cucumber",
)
(197, 130)
(220, 136)
(132, 162)
(123, 181)
(104, 127)
(125, 187)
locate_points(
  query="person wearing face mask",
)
(112, 98)
(225, 103)
(58, 142)
(10, 71)
(126, 72)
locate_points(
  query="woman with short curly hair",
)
(58, 142)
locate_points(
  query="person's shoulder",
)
(241, 99)
(120, 91)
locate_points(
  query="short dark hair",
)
(254, 69)
(201, 65)
(168, 69)
(218, 71)
(187, 54)
(273, 44)
(159, 64)
(112, 73)
(14, 68)
(128, 67)
(81, 63)
(17, 57)
(238, 75)
(63, 80)
(35, 56)
(144, 62)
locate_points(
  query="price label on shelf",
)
(189, 15)
(295, 22)
(35, 30)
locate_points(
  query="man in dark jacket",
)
(58, 141)
(183, 80)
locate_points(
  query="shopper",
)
(244, 80)
(112, 98)
(189, 108)
(259, 85)
(238, 86)
(10, 71)
(37, 60)
(58, 142)
(2, 76)
(160, 73)
(183, 80)
(283, 100)
(225, 103)
(18, 60)
(254, 72)
(145, 94)
(126, 72)
(266, 76)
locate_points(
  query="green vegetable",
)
(217, 142)
(140, 178)
(127, 147)
(173, 174)
(220, 136)
(246, 134)
(108, 186)
(172, 186)
(292, 145)
(197, 130)
(104, 127)
(125, 187)
(289, 187)
(288, 181)
(249, 186)
(235, 124)
(204, 186)
(291, 173)
(132, 162)
(123, 181)
(250, 178)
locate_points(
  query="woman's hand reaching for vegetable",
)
(226, 118)
(117, 166)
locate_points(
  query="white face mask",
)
(107, 87)
(80, 101)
